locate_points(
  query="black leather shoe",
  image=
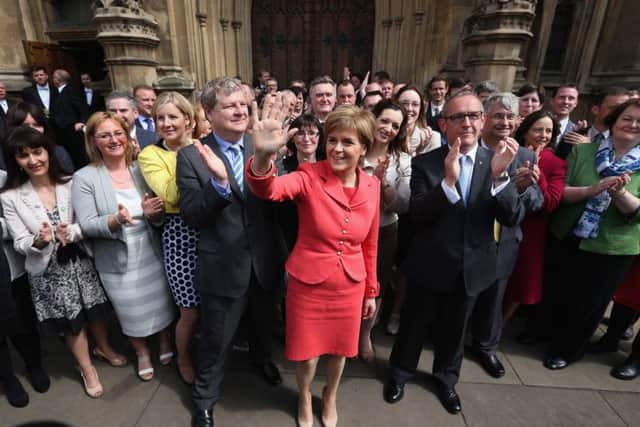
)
(202, 418)
(555, 363)
(39, 379)
(627, 371)
(270, 373)
(393, 391)
(17, 397)
(491, 364)
(449, 399)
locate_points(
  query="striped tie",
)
(237, 164)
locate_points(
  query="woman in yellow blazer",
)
(174, 118)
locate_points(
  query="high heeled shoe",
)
(145, 374)
(327, 422)
(117, 361)
(95, 391)
(300, 422)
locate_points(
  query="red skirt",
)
(324, 318)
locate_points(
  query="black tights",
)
(27, 345)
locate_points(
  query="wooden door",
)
(303, 39)
(51, 57)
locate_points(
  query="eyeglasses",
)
(310, 133)
(502, 116)
(106, 136)
(458, 118)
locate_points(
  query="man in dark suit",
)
(41, 93)
(437, 90)
(241, 251)
(5, 104)
(603, 103)
(123, 104)
(94, 100)
(502, 111)
(68, 113)
(457, 193)
(564, 99)
(145, 97)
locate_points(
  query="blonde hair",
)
(95, 156)
(179, 101)
(352, 117)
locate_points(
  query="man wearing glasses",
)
(457, 193)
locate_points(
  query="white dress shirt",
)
(44, 94)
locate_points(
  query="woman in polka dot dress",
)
(174, 117)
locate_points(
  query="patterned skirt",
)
(179, 243)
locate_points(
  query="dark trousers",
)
(21, 329)
(621, 318)
(486, 319)
(219, 321)
(593, 283)
(635, 349)
(449, 312)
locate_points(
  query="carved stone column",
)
(129, 38)
(494, 35)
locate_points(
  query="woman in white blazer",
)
(65, 287)
(116, 214)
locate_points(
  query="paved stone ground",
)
(528, 395)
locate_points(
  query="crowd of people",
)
(315, 212)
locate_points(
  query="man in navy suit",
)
(437, 90)
(564, 99)
(68, 113)
(122, 104)
(145, 97)
(95, 101)
(41, 93)
(5, 104)
(458, 192)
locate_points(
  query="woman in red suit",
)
(332, 268)
(535, 132)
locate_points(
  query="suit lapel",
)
(30, 198)
(482, 163)
(332, 185)
(108, 193)
(63, 201)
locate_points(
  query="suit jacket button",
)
(344, 231)
(339, 253)
(342, 242)
(346, 220)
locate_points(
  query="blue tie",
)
(465, 176)
(150, 126)
(237, 164)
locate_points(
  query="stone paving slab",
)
(506, 405)
(626, 405)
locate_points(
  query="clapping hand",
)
(152, 207)
(452, 165)
(503, 156)
(575, 138)
(604, 184)
(526, 175)
(63, 233)
(381, 168)
(620, 183)
(123, 216)
(212, 162)
(44, 237)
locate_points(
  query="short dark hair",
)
(608, 91)
(528, 88)
(17, 140)
(458, 82)
(528, 121)
(38, 68)
(136, 88)
(613, 116)
(437, 78)
(344, 82)
(381, 75)
(570, 85)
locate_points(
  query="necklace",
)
(120, 180)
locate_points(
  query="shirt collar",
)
(45, 87)
(88, 90)
(593, 132)
(61, 87)
(225, 145)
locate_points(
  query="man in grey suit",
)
(241, 251)
(123, 104)
(501, 114)
(457, 193)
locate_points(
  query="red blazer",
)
(333, 232)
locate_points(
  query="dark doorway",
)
(303, 39)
